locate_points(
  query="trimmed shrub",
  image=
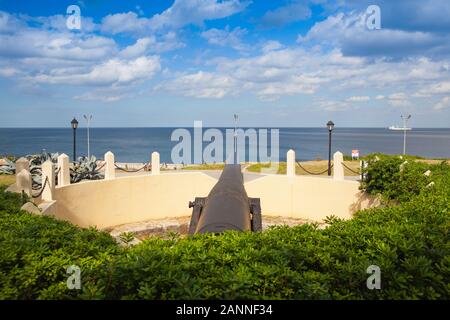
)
(409, 242)
(397, 179)
(35, 252)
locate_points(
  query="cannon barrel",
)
(227, 206)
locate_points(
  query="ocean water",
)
(136, 144)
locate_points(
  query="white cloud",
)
(275, 90)
(139, 48)
(112, 94)
(180, 14)
(359, 99)
(271, 45)
(201, 85)
(226, 37)
(185, 12)
(124, 22)
(167, 42)
(399, 99)
(331, 106)
(8, 72)
(112, 72)
(349, 33)
(61, 45)
(443, 104)
(283, 72)
(398, 96)
(59, 22)
(9, 22)
(436, 88)
(92, 96)
(410, 15)
(325, 62)
(269, 76)
(292, 12)
(139, 10)
(44, 52)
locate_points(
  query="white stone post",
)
(155, 162)
(338, 168)
(110, 171)
(23, 181)
(290, 165)
(64, 170)
(21, 163)
(48, 172)
(402, 166)
(363, 166)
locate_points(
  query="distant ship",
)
(395, 128)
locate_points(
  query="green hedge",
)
(35, 252)
(409, 242)
(400, 180)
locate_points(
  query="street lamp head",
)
(74, 123)
(330, 125)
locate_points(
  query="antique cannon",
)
(227, 207)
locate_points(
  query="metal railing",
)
(350, 169)
(42, 189)
(145, 166)
(313, 173)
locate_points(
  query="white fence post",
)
(48, 172)
(110, 171)
(23, 181)
(21, 163)
(338, 168)
(64, 170)
(363, 166)
(155, 162)
(290, 165)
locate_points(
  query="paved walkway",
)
(212, 173)
(216, 174)
(248, 176)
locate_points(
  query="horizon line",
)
(225, 127)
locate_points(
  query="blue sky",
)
(275, 63)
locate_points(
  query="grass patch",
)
(217, 166)
(7, 179)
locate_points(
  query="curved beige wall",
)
(123, 200)
(107, 203)
(305, 197)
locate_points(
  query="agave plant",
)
(85, 169)
(8, 168)
(39, 159)
(36, 162)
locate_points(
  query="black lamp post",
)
(74, 124)
(330, 126)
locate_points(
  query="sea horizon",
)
(134, 144)
(220, 127)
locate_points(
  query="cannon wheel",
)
(255, 209)
(198, 203)
(197, 206)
